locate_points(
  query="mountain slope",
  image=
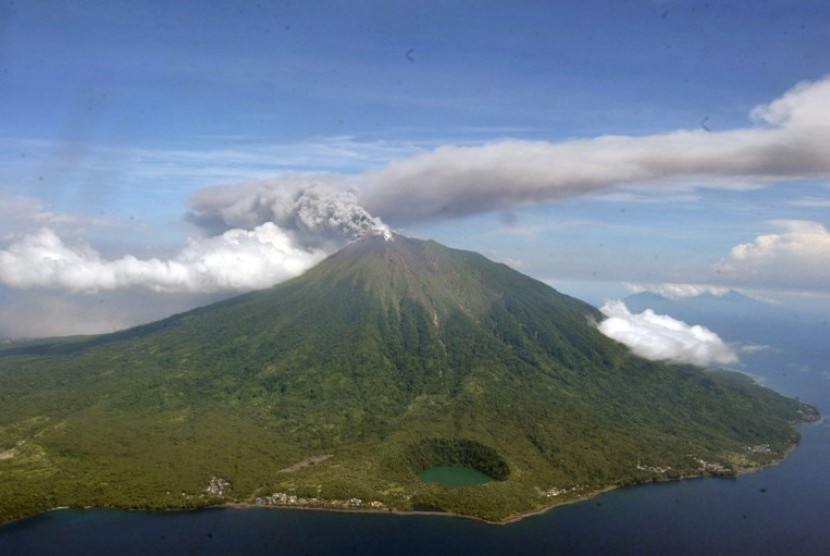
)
(389, 356)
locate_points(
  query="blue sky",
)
(154, 156)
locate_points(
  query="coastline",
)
(792, 494)
(519, 517)
(399, 512)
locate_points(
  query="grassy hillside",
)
(388, 357)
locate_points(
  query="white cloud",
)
(236, 260)
(663, 338)
(798, 256)
(805, 105)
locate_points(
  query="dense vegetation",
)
(388, 356)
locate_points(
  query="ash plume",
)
(316, 211)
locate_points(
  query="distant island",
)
(397, 375)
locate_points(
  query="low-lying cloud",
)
(236, 260)
(663, 338)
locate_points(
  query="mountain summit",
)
(339, 387)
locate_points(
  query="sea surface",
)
(780, 510)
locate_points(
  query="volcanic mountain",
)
(339, 387)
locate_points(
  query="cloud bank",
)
(663, 338)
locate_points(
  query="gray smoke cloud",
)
(315, 210)
(789, 139)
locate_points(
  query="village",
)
(285, 499)
(217, 487)
(577, 489)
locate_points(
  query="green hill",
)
(388, 358)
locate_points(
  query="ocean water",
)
(780, 510)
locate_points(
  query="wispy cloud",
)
(242, 160)
(811, 202)
(753, 348)
(18, 212)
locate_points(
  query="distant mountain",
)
(734, 316)
(337, 388)
(776, 340)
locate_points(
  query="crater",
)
(456, 462)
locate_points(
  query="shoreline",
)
(403, 513)
(518, 517)
(398, 512)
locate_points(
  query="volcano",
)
(340, 387)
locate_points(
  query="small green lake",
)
(454, 476)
